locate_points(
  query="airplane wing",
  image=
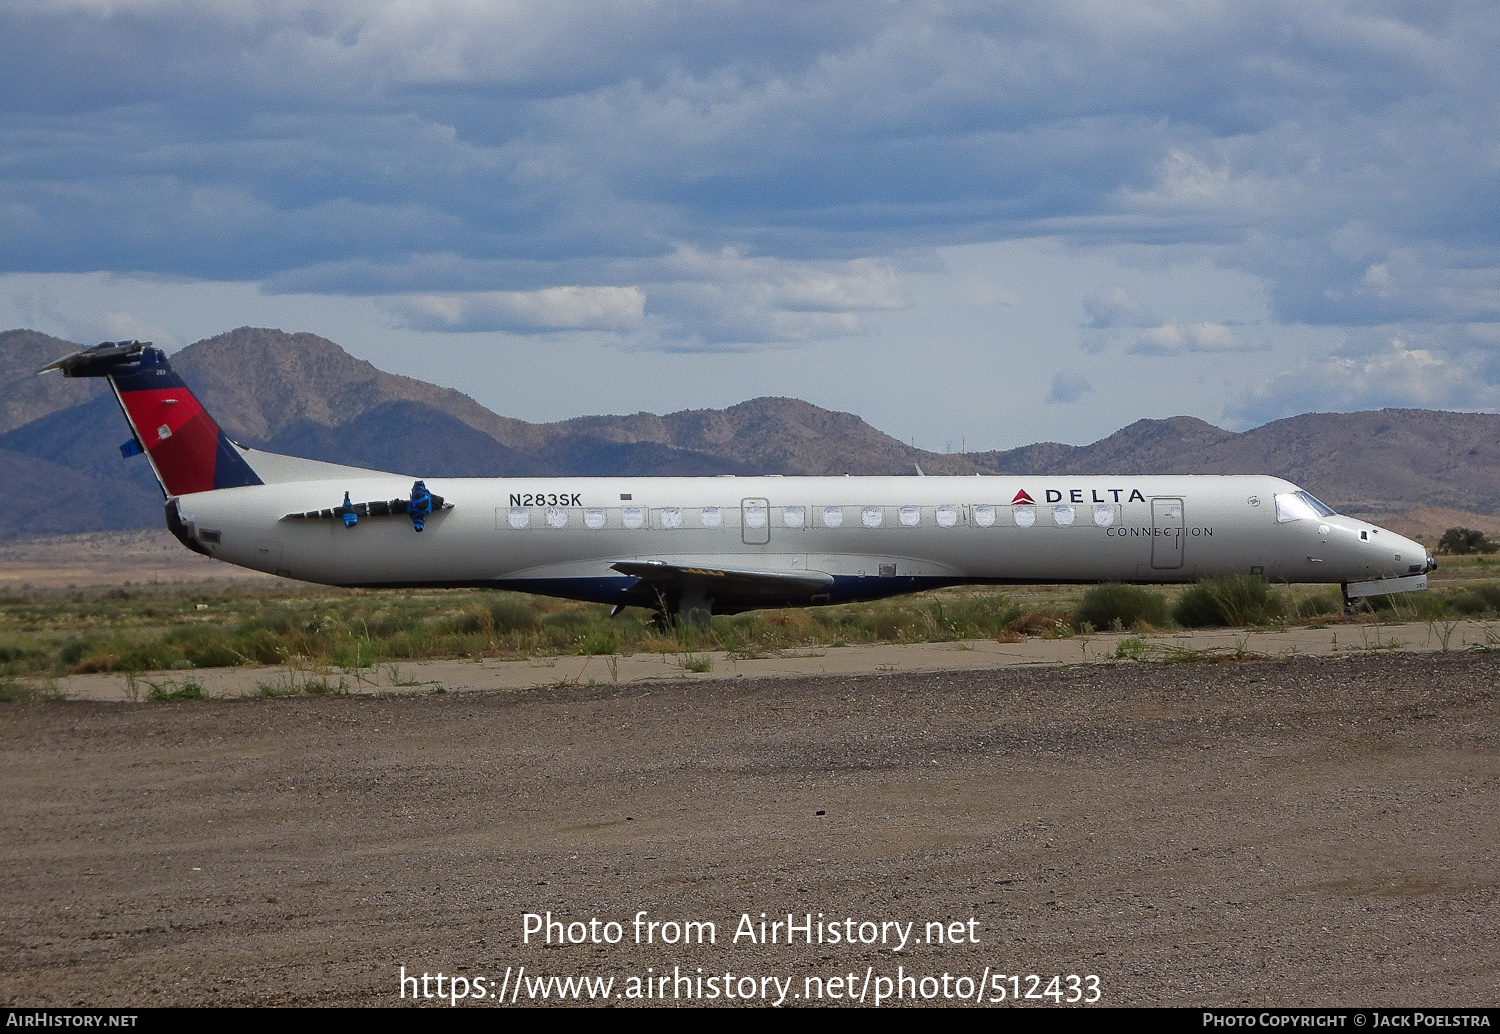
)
(742, 586)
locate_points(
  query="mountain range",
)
(303, 394)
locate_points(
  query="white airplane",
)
(688, 547)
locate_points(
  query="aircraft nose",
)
(1406, 560)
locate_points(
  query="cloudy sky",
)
(974, 224)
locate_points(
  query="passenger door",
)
(1166, 533)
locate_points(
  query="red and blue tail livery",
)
(188, 451)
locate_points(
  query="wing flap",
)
(725, 582)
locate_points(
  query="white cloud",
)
(1176, 338)
(1189, 184)
(755, 171)
(552, 308)
(725, 298)
(1113, 307)
(686, 299)
(1401, 376)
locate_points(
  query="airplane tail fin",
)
(187, 449)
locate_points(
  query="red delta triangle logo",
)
(1022, 498)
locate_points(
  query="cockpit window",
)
(1300, 506)
(1324, 510)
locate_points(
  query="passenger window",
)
(593, 519)
(671, 517)
(833, 516)
(557, 517)
(520, 517)
(792, 516)
(1025, 516)
(984, 516)
(947, 516)
(1104, 516)
(755, 516)
(632, 517)
(1063, 515)
(712, 518)
(910, 516)
(870, 516)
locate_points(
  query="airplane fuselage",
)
(871, 536)
(691, 547)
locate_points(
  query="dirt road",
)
(1304, 831)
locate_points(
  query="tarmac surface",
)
(1282, 829)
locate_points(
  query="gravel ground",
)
(1278, 832)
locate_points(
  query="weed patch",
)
(1230, 602)
(1121, 607)
(175, 691)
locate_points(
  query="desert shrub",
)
(1113, 605)
(600, 641)
(393, 623)
(562, 629)
(13, 691)
(468, 623)
(1040, 622)
(206, 648)
(262, 645)
(975, 617)
(354, 653)
(277, 621)
(96, 662)
(1478, 600)
(890, 622)
(150, 656)
(569, 619)
(513, 615)
(16, 659)
(172, 691)
(75, 651)
(1234, 600)
(217, 652)
(1316, 606)
(1409, 606)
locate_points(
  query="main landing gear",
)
(690, 607)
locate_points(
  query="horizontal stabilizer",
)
(98, 361)
(741, 585)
